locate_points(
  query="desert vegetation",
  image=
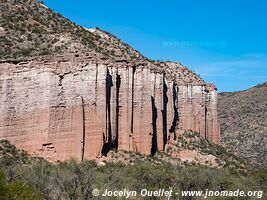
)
(243, 120)
(40, 179)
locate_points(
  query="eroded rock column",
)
(157, 115)
(212, 124)
(142, 121)
(198, 109)
(125, 76)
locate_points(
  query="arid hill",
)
(243, 120)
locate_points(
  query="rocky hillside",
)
(29, 28)
(243, 120)
(189, 149)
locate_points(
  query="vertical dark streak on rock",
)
(132, 106)
(154, 146)
(61, 92)
(83, 129)
(177, 114)
(128, 103)
(60, 80)
(206, 111)
(164, 111)
(175, 118)
(108, 142)
(118, 84)
(96, 76)
(109, 85)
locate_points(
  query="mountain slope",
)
(30, 30)
(243, 120)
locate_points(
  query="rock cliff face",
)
(67, 91)
(82, 108)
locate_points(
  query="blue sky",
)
(224, 41)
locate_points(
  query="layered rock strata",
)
(79, 107)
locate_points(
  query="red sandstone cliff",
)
(82, 108)
(83, 103)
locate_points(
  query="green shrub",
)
(16, 190)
